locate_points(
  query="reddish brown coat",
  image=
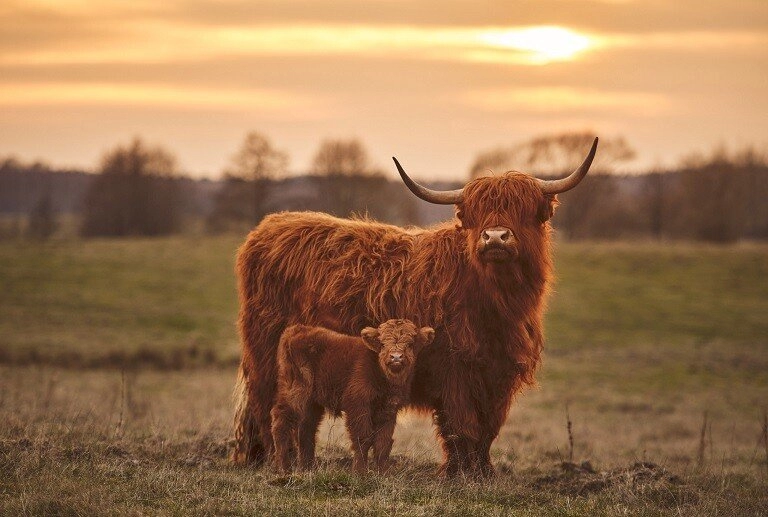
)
(315, 269)
(368, 378)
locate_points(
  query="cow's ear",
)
(459, 216)
(547, 207)
(370, 337)
(426, 336)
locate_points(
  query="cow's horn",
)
(439, 197)
(561, 185)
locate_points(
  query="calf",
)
(367, 377)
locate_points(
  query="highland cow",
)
(480, 281)
(367, 377)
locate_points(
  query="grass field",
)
(643, 342)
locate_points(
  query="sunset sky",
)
(433, 82)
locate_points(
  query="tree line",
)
(139, 190)
(717, 196)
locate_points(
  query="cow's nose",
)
(395, 357)
(497, 235)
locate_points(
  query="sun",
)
(542, 44)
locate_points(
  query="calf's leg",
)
(285, 421)
(360, 428)
(307, 435)
(382, 444)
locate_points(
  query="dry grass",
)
(104, 441)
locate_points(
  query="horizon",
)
(434, 84)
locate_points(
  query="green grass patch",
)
(156, 301)
(625, 294)
(172, 301)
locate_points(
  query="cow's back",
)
(312, 268)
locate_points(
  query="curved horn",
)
(445, 197)
(561, 185)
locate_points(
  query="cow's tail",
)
(248, 447)
(240, 399)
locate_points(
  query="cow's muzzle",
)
(497, 244)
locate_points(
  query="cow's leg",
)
(457, 447)
(307, 435)
(360, 448)
(491, 424)
(258, 371)
(500, 392)
(249, 447)
(464, 455)
(482, 459)
(458, 418)
(264, 396)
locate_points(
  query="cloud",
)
(69, 93)
(457, 70)
(136, 33)
(697, 40)
(630, 16)
(162, 42)
(568, 100)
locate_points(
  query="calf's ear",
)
(370, 337)
(426, 336)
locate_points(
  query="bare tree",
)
(243, 197)
(721, 195)
(653, 199)
(551, 155)
(348, 182)
(592, 210)
(491, 162)
(42, 219)
(136, 193)
(256, 162)
(341, 158)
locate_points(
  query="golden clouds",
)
(568, 99)
(25, 94)
(158, 42)
(667, 75)
(541, 44)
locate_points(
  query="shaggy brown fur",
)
(316, 269)
(368, 378)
